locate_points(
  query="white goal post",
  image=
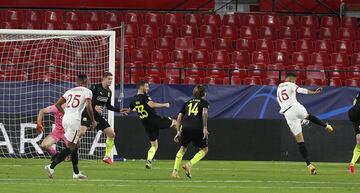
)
(36, 68)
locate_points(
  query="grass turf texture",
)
(28, 175)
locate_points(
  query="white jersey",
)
(75, 102)
(286, 95)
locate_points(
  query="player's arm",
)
(59, 104)
(39, 126)
(307, 91)
(205, 115)
(178, 122)
(153, 104)
(90, 112)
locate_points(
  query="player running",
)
(102, 97)
(295, 113)
(75, 100)
(354, 116)
(152, 122)
(192, 120)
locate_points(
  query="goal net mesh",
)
(35, 70)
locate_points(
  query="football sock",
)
(316, 120)
(109, 146)
(356, 154)
(60, 157)
(201, 154)
(151, 153)
(52, 150)
(75, 161)
(304, 152)
(178, 159)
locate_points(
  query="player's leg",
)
(75, 160)
(317, 121)
(151, 153)
(356, 151)
(110, 137)
(47, 143)
(178, 159)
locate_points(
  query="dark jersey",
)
(102, 97)
(192, 111)
(356, 101)
(144, 111)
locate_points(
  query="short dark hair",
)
(106, 74)
(141, 83)
(81, 78)
(290, 74)
(199, 91)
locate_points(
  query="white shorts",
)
(294, 115)
(72, 129)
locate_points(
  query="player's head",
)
(107, 79)
(199, 91)
(82, 80)
(143, 86)
(290, 77)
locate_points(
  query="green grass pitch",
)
(28, 175)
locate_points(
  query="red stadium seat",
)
(227, 31)
(352, 82)
(299, 71)
(48, 26)
(28, 25)
(343, 46)
(271, 20)
(169, 31)
(310, 21)
(336, 72)
(154, 69)
(212, 19)
(174, 69)
(12, 16)
(290, 21)
(304, 45)
(354, 72)
(208, 31)
(107, 26)
(284, 45)
(200, 56)
(153, 79)
(264, 45)
(149, 30)
(233, 81)
(145, 43)
(131, 30)
(129, 43)
(160, 56)
(164, 43)
(241, 58)
(231, 20)
(320, 59)
(192, 80)
(89, 26)
(329, 21)
(203, 44)
(273, 71)
(327, 33)
(238, 70)
(133, 18)
(9, 25)
(288, 33)
(324, 46)
(252, 81)
(139, 56)
(245, 44)
(93, 17)
(174, 19)
(213, 81)
(220, 56)
(180, 56)
(260, 58)
(316, 82)
(215, 70)
(223, 44)
(315, 72)
(346, 34)
(171, 80)
(355, 59)
(339, 59)
(267, 32)
(193, 19)
(184, 43)
(251, 20)
(307, 33)
(335, 82)
(357, 46)
(280, 58)
(270, 81)
(32, 16)
(194, 70)
(189, 31)
(300, 58)
(248, 32)
(112, 18)
(153, 18)
(350, 22)
(53, 17)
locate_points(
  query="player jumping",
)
(295, 113)
(152, 122)
(75, 100)
(102, 97)
(354, 116)
(192, 120)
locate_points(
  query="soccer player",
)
(295, 114)
(75, 100)
(192, 120)
(152, 122)
(354, 116)
(102, 97)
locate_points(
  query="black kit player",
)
(192, 120)
(102, 97)
(152, 122)
(354, 116)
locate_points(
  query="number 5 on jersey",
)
(142, 112)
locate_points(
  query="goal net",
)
(36, 68)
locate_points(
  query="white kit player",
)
(296, 114)
(75, 101)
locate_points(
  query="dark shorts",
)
(194, 136)
(354, 116)
(152, 128)
(102, 122)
